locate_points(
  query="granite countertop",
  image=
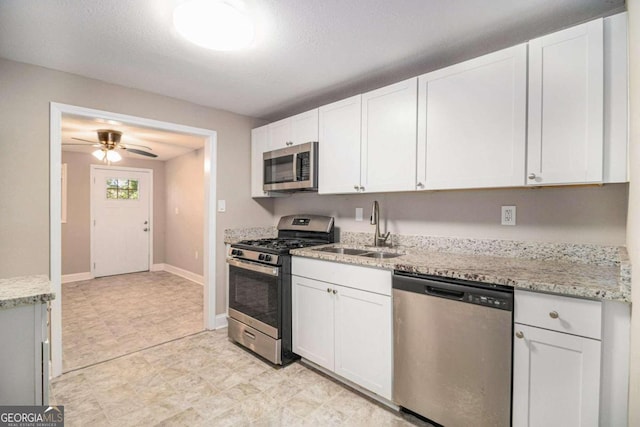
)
(25, 290)
(596, 281)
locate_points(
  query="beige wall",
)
(184, 229)
(25, 94)
(633, 226)
(76, 238)
(571, 214)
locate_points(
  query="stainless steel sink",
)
(381, 255)
(344, 251)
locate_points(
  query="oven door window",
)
(255, 294)
(279, 170)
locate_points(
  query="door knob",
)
(145, 229)
(146, 222)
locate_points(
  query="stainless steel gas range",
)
(260, 285)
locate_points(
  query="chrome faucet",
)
(378, 239)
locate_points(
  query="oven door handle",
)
(259, 268)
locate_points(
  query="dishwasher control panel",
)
(488, 301)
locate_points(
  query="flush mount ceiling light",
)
(214, 24)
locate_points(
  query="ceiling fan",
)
(108, 142)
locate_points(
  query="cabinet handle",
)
(532, 176)
(361, 188)
(250, 335)
(519, 334)
(328, 290)
(335, 291)
(356, 187)
(553, 314)
(420, 185)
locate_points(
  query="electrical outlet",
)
(177, 211)
(508, 215)
(197, 254)
(222, 205)
(359, 214)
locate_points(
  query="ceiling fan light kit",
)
(109, 141)
(214, 24)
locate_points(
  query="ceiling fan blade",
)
(81, 144)
(143, 153)
(85, 140)
(136, 145)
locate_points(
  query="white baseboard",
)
(157, 267)
(197, 278)
(76, 277)
(221, 321)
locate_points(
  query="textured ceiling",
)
(306, 53)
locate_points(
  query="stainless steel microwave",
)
(292, 168)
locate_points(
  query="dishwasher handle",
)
(444, 293)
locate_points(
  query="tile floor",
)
(117, 315)
(205, 380)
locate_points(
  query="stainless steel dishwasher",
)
(452, 350)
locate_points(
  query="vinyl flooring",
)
(205, 380)
(113, 316)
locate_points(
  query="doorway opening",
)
(208, 156)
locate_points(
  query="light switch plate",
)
(359, 214)
(508, 215)
(222, 205)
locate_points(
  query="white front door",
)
(120, 220)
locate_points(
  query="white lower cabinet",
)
(555, 378)
(312, 318)
(341, 325)
(24, 359)
(557, 351)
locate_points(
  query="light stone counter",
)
(605, 278)
(234, 235)
(25, 290)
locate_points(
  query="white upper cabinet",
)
(616, 84)
(259, 140)
(294, 130)
(566, 79)
(389, 128)
(339, 146)
(472, 123)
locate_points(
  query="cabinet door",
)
(312, 320)
(339, 147)
(304, 127)
(280, 134)
(363, 346)
(556, 379)
(472, 123)
(389, 129)
(259, 138)
(565, 140)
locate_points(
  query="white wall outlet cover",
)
(359, 214)
(222, 205)
(177, 211)
(508, 215)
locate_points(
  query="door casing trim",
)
(56, 110)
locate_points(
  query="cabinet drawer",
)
(352, 276)
(563, 314)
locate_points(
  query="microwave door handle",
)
(295, 167)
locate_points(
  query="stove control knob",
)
(261, 257)
(267, 257)
(234, 252)
(238, 252)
